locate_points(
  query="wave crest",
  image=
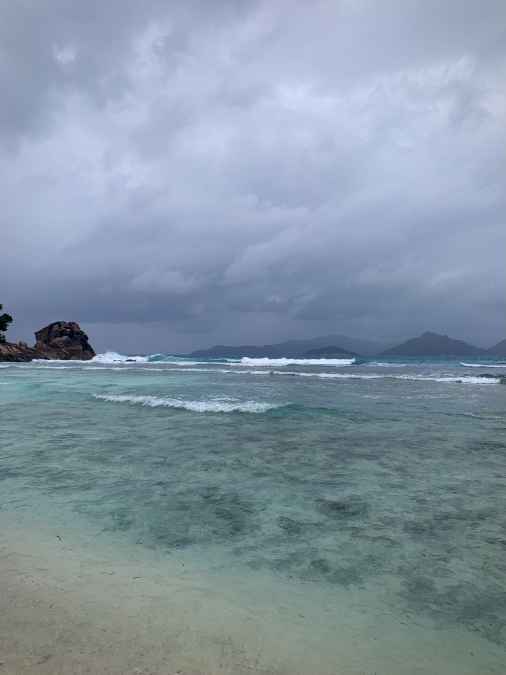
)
(463, 379)
(483, 365)
(286, 361)
(215, 405)
(114, 357)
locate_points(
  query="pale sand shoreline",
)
(61, 613)
(68, 608)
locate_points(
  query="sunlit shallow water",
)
(367, 499)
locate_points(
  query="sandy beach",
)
(67, 608)
(60, 623)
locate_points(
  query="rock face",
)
(59, 340)
(20, 351)
(63, 340)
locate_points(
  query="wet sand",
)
(68, 606)
(67, 611)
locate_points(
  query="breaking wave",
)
(483, 365)
(286, 361)
(246, 361)
(464, 379)
(384, 364)
(215, 405)
(109, 358)
(114, 357)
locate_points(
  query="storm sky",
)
(175, 174)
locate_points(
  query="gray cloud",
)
(176, 174)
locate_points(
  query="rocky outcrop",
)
(63, 340)
(17, 351)
(59, 340)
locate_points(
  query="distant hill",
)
(498, 350)
(328, 353)
(292, 348)
(432, 344)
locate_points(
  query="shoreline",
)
(64, 610)
(72, 602)
(69, 607)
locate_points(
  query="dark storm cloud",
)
(250, 170)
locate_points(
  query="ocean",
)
(328, 517)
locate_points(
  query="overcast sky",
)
(175, 174)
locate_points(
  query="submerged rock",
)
(348, 507)
(59, 340)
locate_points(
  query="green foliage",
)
(5, 320)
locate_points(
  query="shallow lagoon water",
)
(368, 498)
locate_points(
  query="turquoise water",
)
(379, 478)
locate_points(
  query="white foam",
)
(114, 357)
(106, 357)
(483, 365)
(382, 364)
(331, 376)
(465, 379)
(285, 361)
(215, 405)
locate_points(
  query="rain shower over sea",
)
(328, 516)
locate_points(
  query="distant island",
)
(498, 350)
(328, 353)
(341, 346)
(433, 344)
(338, 345)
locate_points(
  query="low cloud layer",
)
(177, 174)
